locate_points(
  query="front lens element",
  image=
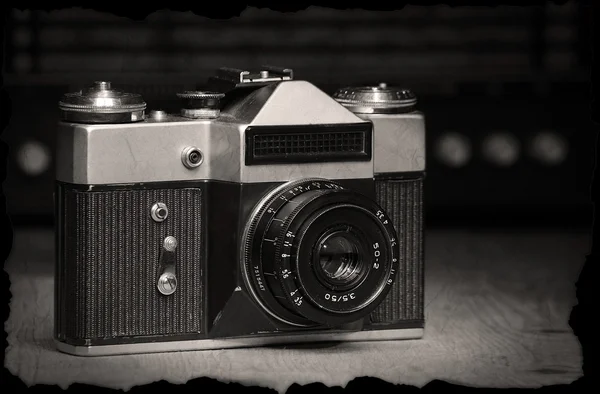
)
(340, 257)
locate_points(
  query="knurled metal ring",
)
(200, 95)
(382, 103)
(403, 97)
(387, 102)
(101, 109)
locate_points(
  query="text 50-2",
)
(344, 298)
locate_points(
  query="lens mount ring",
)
(279, 258)
(319, 302)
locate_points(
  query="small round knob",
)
(167, 283)
(192, 157)
(102, 85)
(170, 243)
(159, 212)
(200, 104)
(157, 115)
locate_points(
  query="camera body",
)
(266, 212)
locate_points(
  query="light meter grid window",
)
(308, 143)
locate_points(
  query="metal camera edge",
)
(128, 181)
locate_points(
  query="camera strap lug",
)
(167, 280)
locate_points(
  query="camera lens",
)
(340, 259)
(316, 253)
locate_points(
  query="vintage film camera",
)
(266, 212)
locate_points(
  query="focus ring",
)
(253, 272)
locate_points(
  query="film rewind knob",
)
(100, 103)
(200, 104)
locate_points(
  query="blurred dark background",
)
(505, 91)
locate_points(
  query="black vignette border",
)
(225, 10)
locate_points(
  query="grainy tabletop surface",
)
(497, 310)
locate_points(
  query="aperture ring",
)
(253, 242)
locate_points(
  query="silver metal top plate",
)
(151, 151)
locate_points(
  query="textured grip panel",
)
(403, 202)
(108, 263)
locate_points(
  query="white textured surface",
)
(497, 312)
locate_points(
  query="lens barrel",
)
(316, 253)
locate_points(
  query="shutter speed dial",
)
(381, 99)
(200, 104)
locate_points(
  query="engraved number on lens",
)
(381, 216)
(343, 298)
(392, 272)
(258, 279)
